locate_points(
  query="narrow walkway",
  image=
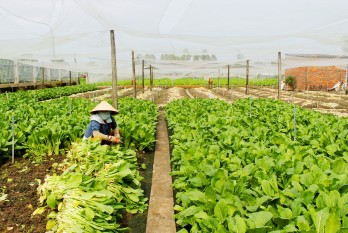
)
(160, 216)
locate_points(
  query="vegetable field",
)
(239, 168)
(237, 164)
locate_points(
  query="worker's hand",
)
(117, 131)
(115, 139)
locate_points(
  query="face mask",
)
(104, 115)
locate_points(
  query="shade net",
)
(195, 38)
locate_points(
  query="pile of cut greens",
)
(99, 183)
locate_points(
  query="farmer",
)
(282, 85)
(103, 125)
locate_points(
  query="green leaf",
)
(39, 210)
(52, 201)
(302, 223)
(321, 200)
(221, 210)
(237, 225)
(52, 215)
(307, 196)
(319, 218)
(258, 203)
(266, 188)
(333, 224)
(196, 195)
(192, 210)
(290, 228)
(74, 180)
(332, 148)
(210, 193)
(259, 219)
(50, 224)
(89, 213)
(284, 213)
(183, 231)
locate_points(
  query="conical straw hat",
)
(104, 107)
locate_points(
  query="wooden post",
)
(279, 73)
(114, 69)
(228, 77)
(134, 81)
(42, 77)
(247, 78)
(143, 75)
(70, 78)
(150, 78)
(307, 78)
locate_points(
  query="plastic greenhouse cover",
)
(179, 37)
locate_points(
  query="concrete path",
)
(160, 218)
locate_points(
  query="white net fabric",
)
(180, 38)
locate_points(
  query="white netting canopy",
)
(179, 37)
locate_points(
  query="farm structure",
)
(316, 77)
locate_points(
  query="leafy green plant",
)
(236, 173)
(291, 82)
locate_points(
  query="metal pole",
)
(70, 78)
(307, 78)
(143, 75)
(114, 69)
(228, 77)
(12, 139)
(294, 124)
(279, 73)
(43, 77)
(150, 78)
(247, 78)
(134, 81)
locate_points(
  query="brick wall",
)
(319, 78)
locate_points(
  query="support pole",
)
(143, 75)
(247, 78)
(279, 73)
(114, 69)
(228, 77)
(42, 77)
(70, 78)
(134, 81)
(150, 77)
(307, 78)
(13, 141)
(34, 75)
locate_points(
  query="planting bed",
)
(18, 195)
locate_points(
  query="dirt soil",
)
(19, 182)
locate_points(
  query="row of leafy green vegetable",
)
(44, 94)
(222, 81)
(101, 182)
(46, 128)
(237, 167)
